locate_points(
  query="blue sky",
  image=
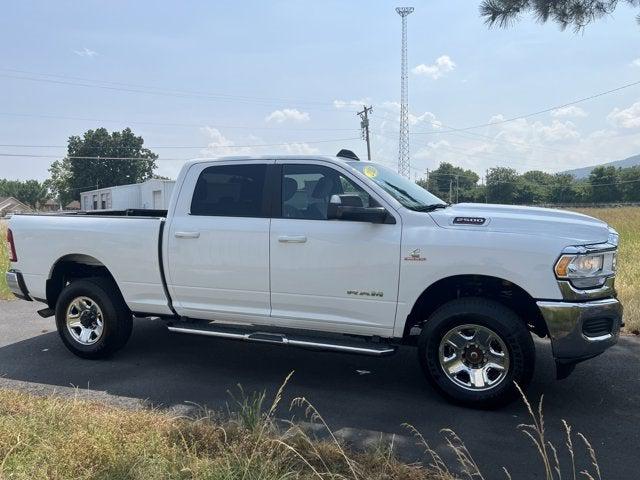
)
(214, 75)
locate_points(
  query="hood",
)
(575, 227)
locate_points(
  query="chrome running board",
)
(362, 348)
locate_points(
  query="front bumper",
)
(16, 284)
(581, 330)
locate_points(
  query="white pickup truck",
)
(331, 253)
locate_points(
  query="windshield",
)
(408, 193)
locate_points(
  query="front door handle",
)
(292, 239)
(187, 234)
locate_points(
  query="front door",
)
(330, 274)
(218, 243)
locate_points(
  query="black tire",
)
(117, 319)
(500, 320)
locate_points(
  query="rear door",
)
(218, 242)
(330, 274)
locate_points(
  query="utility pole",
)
(364, 125)
(450, 190)
(404, 162)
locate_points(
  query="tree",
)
(30, 192)
(566, 13)
(630, 184)
(81, 170)
(562, 188)
(533, 187)
(604, 184)
(448, 178)
(501, 185)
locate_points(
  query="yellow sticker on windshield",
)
(371, 172)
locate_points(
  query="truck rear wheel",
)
(92, 318)
(474, 350)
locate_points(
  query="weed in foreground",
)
(61, 438)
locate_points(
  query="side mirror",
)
(349, 207)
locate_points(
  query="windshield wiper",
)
(430, 208)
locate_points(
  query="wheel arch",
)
(73, 267)
(498, 289)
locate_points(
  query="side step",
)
(315, 343)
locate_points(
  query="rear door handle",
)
(292, 239)
(187, 234)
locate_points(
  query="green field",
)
(626, 220)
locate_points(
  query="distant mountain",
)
(580, 173)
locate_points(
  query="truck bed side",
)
(126, 245)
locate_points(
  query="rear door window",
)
(231, 191)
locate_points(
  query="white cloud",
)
(427, 118)
(86, 52)
(341, 104)
(556, 131)
(390, 113)
(442, 65)
(300, 149)
(393, 106)
(625, 118)
(288, 114)
(218, 143)
(569, 112)
(635, 63)
(523, 132)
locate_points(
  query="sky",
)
(203, 78)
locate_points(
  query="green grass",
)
(67, 438)
(5, 294)
(626, 220)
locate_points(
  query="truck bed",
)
(130, 212)
(127, 243)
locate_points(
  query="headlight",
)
(586, 270)
(613, 237)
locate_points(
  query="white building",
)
(152, 194)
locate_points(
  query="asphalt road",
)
(355, 394)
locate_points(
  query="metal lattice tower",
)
(404, 162)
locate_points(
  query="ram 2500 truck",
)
(331, 253)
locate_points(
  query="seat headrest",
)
(289, 188)
(324, 188)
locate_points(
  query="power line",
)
(255, 145)
(177, 94)
(172, 124)
(182, 92)
(200, 146)
(532, 114)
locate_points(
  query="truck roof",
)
(228, 158)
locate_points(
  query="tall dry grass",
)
(5, 294)
(626, 220)
(62, 438)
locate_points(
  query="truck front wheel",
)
(475, 350)
(92, 318)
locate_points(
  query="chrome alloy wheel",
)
(85, 322)
(474, 357)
